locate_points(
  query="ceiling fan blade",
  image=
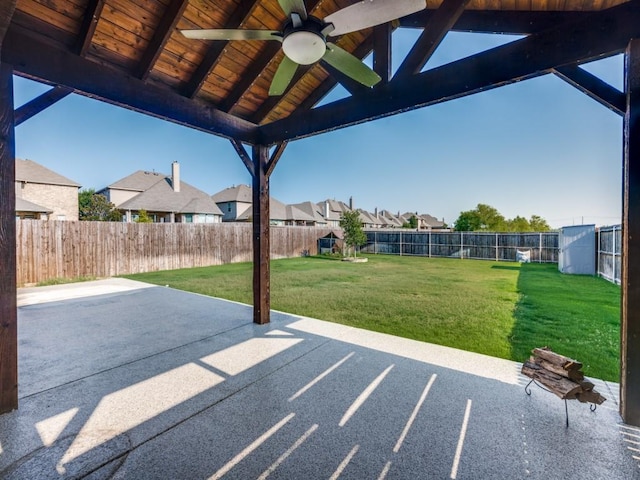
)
(281, 80)
(232, 34)
(350, 65)
(294, 6)
(370, 13)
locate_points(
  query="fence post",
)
(429, 243)
(613, 254)
(540, 249)
(461, 245)
(400, 245)
(497, 257)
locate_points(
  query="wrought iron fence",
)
(541, 247)
(609, 253)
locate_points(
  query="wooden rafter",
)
(435, 30)
(88, 27)
(160, 37)
(382, 51)
(40, 103)
(587, 83)
(601, 34)
(519, 22)
(239, 16)
(55, 65)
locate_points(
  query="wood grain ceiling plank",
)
(161, 37)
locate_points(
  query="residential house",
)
(311, 215)
(44, 194)
(279, 214)
(165, 198)
(234, 202)
(332, 211)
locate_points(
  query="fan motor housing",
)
(304, 44)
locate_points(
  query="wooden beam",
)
(244, 156)
(261, 252)
(160, 37)
(435, 30)
(47, 63)
(40, 103)
(601, 34)
(257, 66)
(516, 22)
(273, 161)
(8, 276)
(240, 15)
(382, 51)
(630, 311)
(88, 27)
(7, 8)
(589, 84)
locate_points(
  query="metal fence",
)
(609, 253)
(541, 247)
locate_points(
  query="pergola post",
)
(630, 305)
(8, 276)
(261, 252)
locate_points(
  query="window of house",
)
(229, 207)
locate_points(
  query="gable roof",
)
(312, 210)
(138, 181)
(23, 205)
(160, 197)
(239, 193)
(32, 172)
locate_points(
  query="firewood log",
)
(560, 360)
(575, 375)
(557, 384)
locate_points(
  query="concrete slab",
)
(155, 383)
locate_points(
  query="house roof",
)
(237, 193)
(138, 181)
(32, 172)
(312, 210)
(23, 205)
(160, 197)
(280, 211)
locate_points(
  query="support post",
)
(630, 303)
(261, 253)
(8, 275)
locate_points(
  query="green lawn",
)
(499, 309)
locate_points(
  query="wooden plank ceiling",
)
(139, 39)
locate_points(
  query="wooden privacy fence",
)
(543, 247)
(62, 249)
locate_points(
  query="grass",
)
(499, 309)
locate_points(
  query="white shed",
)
(577, 246)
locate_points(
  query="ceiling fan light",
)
(304, 47)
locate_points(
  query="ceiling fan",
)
(304, 38)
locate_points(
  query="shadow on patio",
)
(159, 383)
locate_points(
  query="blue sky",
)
(536, 147)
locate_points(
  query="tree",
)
(353, 234)
(143, 217)
(96, 207)
(487, 218)
(538, 224)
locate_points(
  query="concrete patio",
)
(120, 379)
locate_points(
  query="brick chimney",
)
(175, 176)
(350, 203)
